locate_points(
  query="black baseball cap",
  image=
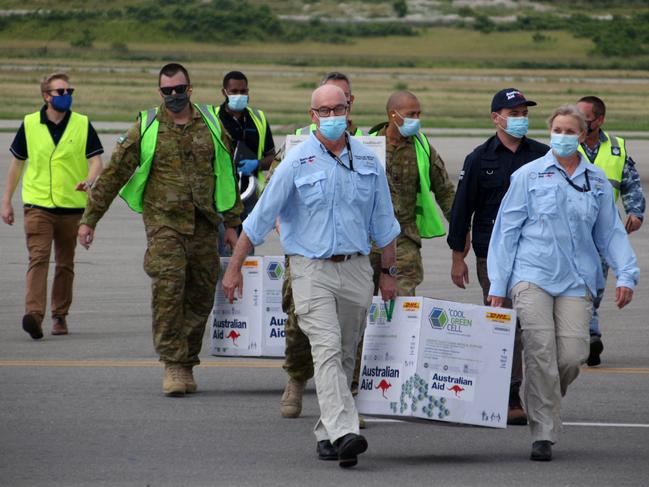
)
(509, 98)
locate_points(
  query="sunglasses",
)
(179, 89)
(62, 91)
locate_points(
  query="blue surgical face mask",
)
(517, 126)
(237, 103)
(564, 145)
(333, 127)
(62, 103)
(410, 126)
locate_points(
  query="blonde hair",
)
(45, 82)
(569, 111)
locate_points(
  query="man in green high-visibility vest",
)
(174, 166)
(63, 155)
(609, 153)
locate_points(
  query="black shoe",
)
(541, 451)
(596, 348)
(32, 325)
(326, 451)
(349, 447)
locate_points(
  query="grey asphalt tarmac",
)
(87, 409)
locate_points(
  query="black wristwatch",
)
(390, 271)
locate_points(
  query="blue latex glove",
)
(247, 166)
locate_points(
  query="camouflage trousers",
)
(298, 362)
(183, 270)
(410, 275)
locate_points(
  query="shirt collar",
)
(550, 160)
(46, 120)
(315, 142)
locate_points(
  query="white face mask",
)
(237, 103)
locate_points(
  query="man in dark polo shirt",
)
(483, 182)
(64, 159)
(250, 131)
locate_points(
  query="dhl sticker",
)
(498, 317)
(250, 263)
(411, 305)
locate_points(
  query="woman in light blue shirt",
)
(558, 212)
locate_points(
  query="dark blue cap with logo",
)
(509, 98)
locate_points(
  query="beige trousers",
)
(555, 345)
(331, 303)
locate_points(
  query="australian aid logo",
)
(381, 379)
(229, 331)
(452, 386)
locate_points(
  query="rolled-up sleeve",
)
(506, 234)
(384, 227)
(262, 219)
(613, 242)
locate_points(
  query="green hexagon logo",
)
(438, 318)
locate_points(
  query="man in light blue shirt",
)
(332, 197)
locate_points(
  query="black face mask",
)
(176, 103)
(589, 127)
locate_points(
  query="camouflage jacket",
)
(181, 181)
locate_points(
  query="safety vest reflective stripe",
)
(224, 180)
(611, 157)
(54, 170)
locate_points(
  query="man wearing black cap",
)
(483, 182)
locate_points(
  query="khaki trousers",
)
(517, 359)
(555, 345)
(41, 229)
(331, 303)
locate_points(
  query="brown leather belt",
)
(343, 257)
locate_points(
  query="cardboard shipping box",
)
(252, 326)
(437, 360)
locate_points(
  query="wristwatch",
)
(390, 271)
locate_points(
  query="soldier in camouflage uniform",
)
(402, 170)
(298, 363)
(609, 152)
(179, 200)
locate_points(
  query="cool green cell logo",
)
(275, 271)
(438, 318)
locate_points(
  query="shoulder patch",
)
(121, 139)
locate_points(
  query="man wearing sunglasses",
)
(331, 196)
(63, 155)
(174, 167)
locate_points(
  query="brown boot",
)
(173, 383)
(291, 403)
(59, 325)
(32, 325)
(188, 378)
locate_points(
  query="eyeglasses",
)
(62, 91)
(326, 111)
(179, 89)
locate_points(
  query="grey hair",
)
(336, 76)
(569, 111)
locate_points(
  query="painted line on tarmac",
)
(596, 425)
(254, 364)
(616, 370)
